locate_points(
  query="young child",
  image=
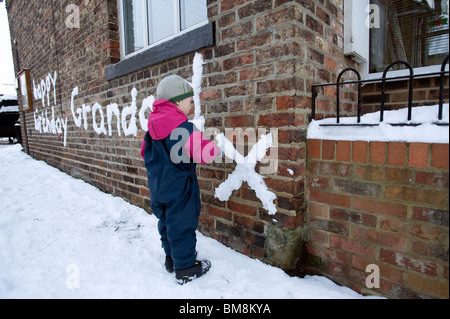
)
(171, 149)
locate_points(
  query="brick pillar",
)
(382, 204)
(259, 75)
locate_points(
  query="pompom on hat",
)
(174, 88)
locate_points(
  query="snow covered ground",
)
(63, 238)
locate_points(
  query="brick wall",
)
(426, 92)
(380, 203)
(266, 56)
(259, 73)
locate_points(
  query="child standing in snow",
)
(171, 149)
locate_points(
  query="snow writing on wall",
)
(125, 121)
(42, 123)
(245, 172)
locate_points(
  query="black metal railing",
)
(383, 81)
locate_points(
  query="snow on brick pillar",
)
(380, 203)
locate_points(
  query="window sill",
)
(400, 73)
(191, 41)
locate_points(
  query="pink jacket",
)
(165, 118)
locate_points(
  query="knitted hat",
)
(173, 89)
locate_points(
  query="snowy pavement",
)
(63, 238)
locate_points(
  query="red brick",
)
(239, 30)
(110, 45)
(381, 173)
(354, 217)
(291, 153)
(241, 208)
(328, 148)
(330, 91)
(289, 222)
(330, 198)
(430, 215)
(440, 156)
(331, 64)
(327, 253)
(226, 20)
(319, 182)
(242, 121)
(397, 154)
(290, 203)
(319, 210)
(275, 18)
(359, 152)
(238, 61)
(420, 248)
(217, 212)
(382, 239)
(330, 168)
(432, 286)
(343, 149)
(319, 236)
(434, 179)
(377, 152)
(229, 4)
(211, 95)
(314, 147)
(407, 262)
(288, 136)
(286, 102)
(417, 195)
(239, 90)
(280, 119)
(254, 8)
(278, 85)
(380, 207)
(386, 271)
(275, 52)
(283, 186)
(255, 41)
(249, 223)
(352, 246)
(297, 169)
(206, 222)
(253, 73)
(418, 155)
(423, 231)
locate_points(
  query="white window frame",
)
(147, 45)
(356, 43)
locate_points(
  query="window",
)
(415, 31)
(146, 23)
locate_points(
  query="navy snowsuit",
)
(169, 151)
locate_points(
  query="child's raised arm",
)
(200, 149)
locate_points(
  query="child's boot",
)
(200, 268)
(169, 264)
